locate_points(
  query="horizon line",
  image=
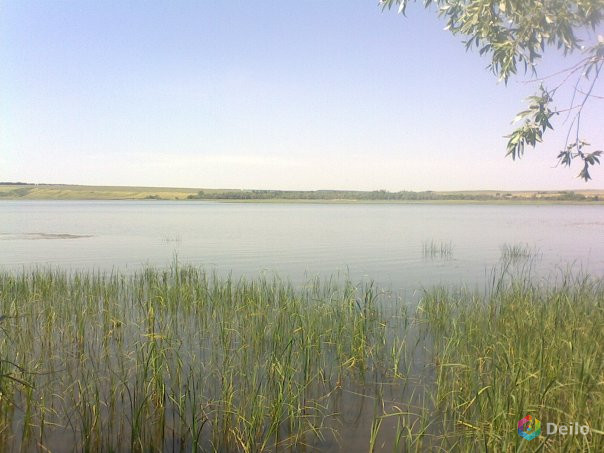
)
(8, 183)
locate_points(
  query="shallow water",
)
(384, 243)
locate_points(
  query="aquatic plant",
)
(512, 252)
(179, 359)
(183, 360)
(437, 249)
(522, 349)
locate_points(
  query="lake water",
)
(381, 242)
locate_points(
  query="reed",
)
(183, 360)
(522, 349)
(179, 359)
(512, 252)
(437, 249)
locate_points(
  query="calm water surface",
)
(376, 242)
(379, 242)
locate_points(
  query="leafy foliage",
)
(515, 35)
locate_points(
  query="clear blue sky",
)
(264, 94)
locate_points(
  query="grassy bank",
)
(178, 360)
(75, 192)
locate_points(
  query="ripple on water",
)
(37, 236)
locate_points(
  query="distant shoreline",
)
(24, 191)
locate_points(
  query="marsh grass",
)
(437, 249)
(523, 349)
(182, 360)
(515, 252)
(172, 238)
(179, 360)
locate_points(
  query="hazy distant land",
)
(25, 191)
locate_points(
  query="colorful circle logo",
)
(529, 427)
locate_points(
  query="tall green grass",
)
(524, 349)
(179, 360)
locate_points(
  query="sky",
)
(302, 95)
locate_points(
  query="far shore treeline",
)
(382, 195)
(20, 190)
